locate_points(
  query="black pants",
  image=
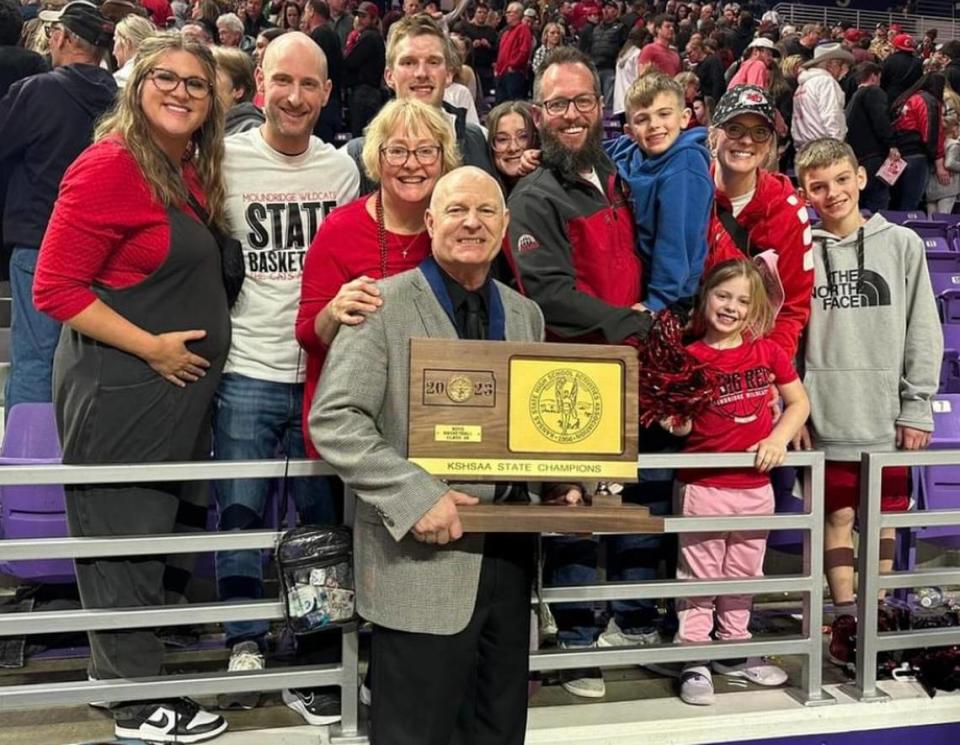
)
(364, 103)
(469, 688)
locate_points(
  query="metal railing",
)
(345, 675)
(870, 642)
(808, 643)
(798, 14)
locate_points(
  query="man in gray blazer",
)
(451, 612)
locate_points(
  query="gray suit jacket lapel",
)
(435, 320)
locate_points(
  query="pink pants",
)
(720, 555)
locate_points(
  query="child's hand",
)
(770, 453)
(909, 438)
(677, 427)
(802, 440)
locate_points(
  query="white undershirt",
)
(738, 203)
(593, 178)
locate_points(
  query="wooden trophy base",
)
(606, 514)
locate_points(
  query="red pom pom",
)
(673, 384)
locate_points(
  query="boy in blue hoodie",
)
(667, 171)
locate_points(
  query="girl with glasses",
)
(511, 130)
(131, 265)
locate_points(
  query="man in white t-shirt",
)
(280, 184)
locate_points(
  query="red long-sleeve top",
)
(344, 248)
(775, 218)
(916, 118)
(106, 229)
(513, 54)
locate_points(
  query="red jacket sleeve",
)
(791, 234)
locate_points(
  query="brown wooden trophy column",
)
(508, 411)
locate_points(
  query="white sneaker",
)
(177, 721)
(243, 656)
(97, 704)
(586, 682)
(755, 669)
(613, 636)
(696, 685)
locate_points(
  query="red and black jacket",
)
(574, 251)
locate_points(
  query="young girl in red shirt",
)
(732, 317)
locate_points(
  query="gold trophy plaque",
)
(538, 412)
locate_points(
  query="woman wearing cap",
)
(408, 147)
(130, 267)
(919, 133)
(757, 211)
(902, 68)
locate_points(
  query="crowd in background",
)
(313, 133)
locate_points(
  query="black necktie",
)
(473, 321)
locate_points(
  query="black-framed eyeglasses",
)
(760, 133)
(50, 28)
(502, 142)
(584, 103)
(398, 155)
(168, 81)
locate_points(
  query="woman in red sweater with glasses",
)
(130, 268)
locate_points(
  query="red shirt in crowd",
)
(344, 248)
(513, 54)
(107, 229)
(664, 59)
(159, 11)
(741, 415)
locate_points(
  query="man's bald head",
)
(293, 80)
(467, 221)
(455, 179)
(295, 44)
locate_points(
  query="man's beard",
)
(554, 154)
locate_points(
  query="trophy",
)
(538, 412)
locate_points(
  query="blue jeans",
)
(33, 336)
(630, 558)
(255, 420)
(908, 191)
(511, 86)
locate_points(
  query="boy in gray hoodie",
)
(871, 360)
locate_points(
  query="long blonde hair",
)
(128, 120)
(760, 316)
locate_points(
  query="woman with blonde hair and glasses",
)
(131, 266)
(128, 35)
(408, 147)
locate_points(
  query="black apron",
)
(112, 407)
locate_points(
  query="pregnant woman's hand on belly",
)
(170, 357)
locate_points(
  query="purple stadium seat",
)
(899, 217)
(33, 511)
(942, 262)
(950, 369)
(943, 217)
(946, 288)
(936, 245)
(940, 485)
